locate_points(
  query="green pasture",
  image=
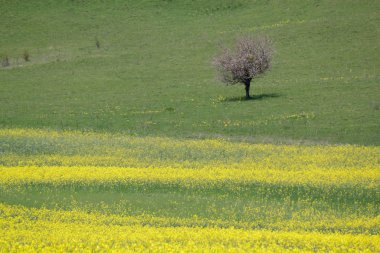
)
(255, 206)
(152, 74)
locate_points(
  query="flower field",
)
(94, 192)
(41, 229)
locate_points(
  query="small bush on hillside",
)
(5, 62)
(250, 58)
(26, 56)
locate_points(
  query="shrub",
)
(26, 56)
(5, 62)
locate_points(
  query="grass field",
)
(116, 136)
(152, 74)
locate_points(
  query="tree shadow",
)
(253, 97)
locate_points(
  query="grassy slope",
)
(152, 73)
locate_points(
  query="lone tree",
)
(250, 58)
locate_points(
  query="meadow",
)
(115, 135)
(74, 191)
(152, 74)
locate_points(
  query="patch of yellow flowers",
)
(23, 229)
(71, 148)
(365, 178)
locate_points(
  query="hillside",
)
(152, 75)
(115, 135)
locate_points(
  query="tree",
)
(250, 58)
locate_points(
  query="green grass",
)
(152, 73)
(247, 206)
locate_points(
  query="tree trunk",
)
(247, 84)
